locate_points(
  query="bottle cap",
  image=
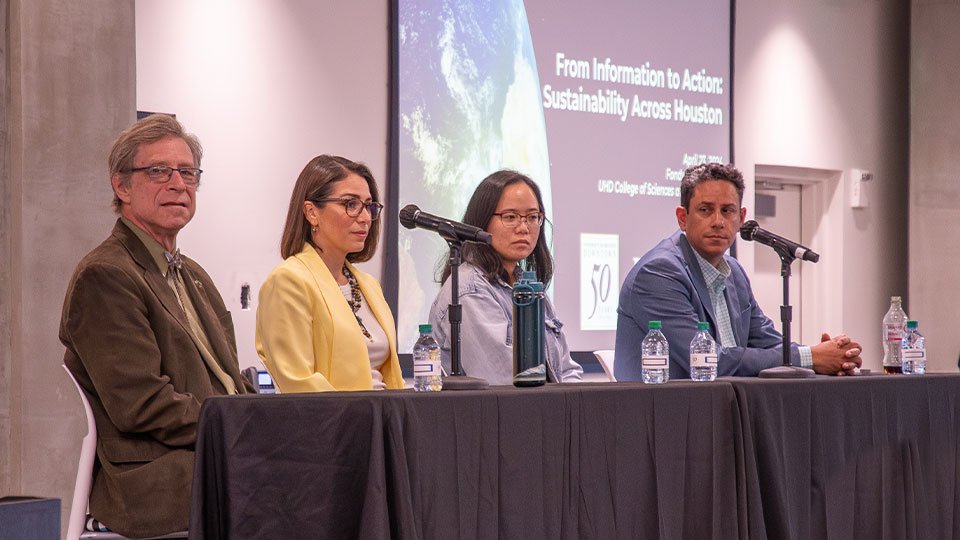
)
(655, 325)
(703, 326)
(527, 284)
(894, 298)
(426, 328)
(911, 324)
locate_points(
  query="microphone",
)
(751, 231)
(411, 216)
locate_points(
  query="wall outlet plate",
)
(856, 179)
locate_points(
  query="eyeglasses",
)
(511, 220)
(162, 173)
(355, 206)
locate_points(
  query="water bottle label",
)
(657, 361)
(703, 360)
(426, 369)
(429, 366)
(913, 355)
(894, 332)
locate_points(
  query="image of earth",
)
(469, 105)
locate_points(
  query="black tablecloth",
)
(564, 461)
(827, 458)
(852, 457)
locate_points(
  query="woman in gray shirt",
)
(509, 206)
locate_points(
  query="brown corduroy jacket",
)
(130, 347)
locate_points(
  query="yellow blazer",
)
(307, 334)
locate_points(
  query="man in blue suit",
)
(688, 278)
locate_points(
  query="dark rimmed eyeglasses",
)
(511, 220)
(162, 173)
(354, 206)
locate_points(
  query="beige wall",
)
(69, 90)
(798, 102)
(934, 187)
(315, 80)
(823, 84)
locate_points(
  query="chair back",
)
(605, 357)
(76, 526)
(88, 453)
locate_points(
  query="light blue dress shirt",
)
(716, 278)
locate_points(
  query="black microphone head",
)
(748, 228)
(484, 237)
(408, 216)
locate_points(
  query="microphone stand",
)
(787, 370)
(456, 380)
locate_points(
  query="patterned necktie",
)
(200, 337)
(173, 259)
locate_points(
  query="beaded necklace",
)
(355, 301)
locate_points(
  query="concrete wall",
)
(7, 405)
(934, 185)
(823, 85)
(69, 90)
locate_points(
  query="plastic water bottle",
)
(426, 362)
(703, 354)
(894, 323)
(914, 351)
(655, 363)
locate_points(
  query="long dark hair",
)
(480, 211)
(316, 182)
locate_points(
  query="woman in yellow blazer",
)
(321, 323)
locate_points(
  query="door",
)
(778, 210)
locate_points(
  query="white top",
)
(378, 348)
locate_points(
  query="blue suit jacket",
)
(667, 285)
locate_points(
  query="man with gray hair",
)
(148, 336)
(688, 278)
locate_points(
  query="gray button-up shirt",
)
(486, 333)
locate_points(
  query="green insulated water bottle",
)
(529, 367)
